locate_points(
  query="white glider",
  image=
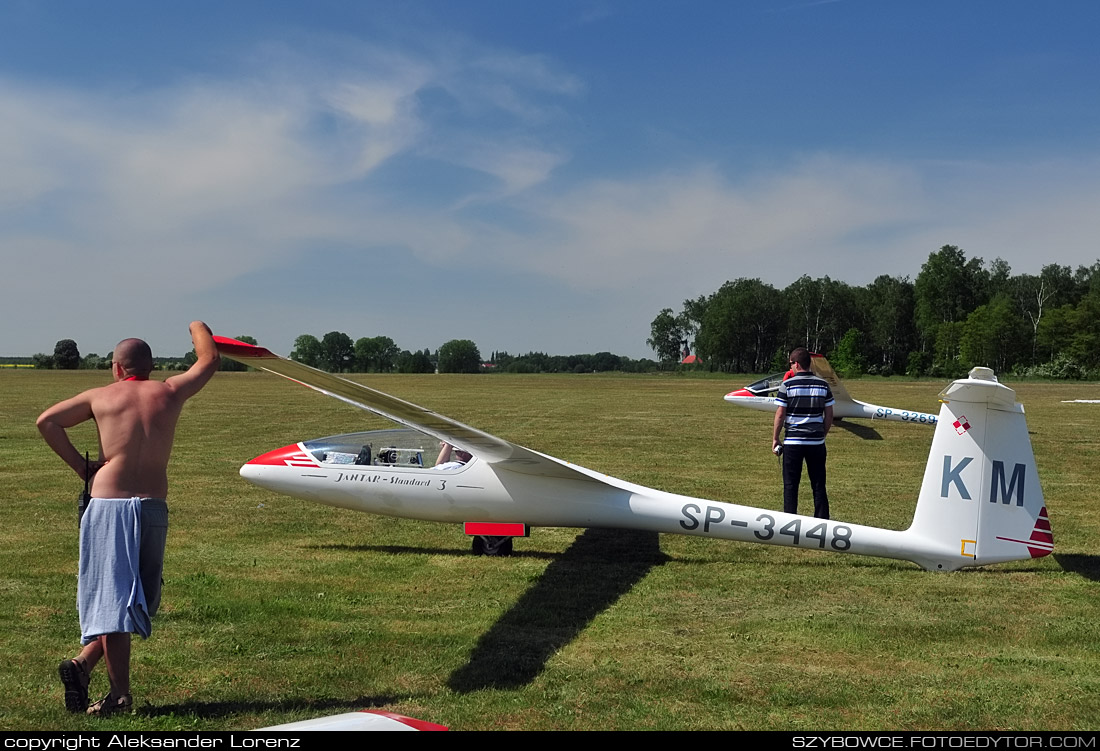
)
(980, 501)
(761, 396)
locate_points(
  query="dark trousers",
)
(793, 455)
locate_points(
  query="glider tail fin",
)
(980, 501)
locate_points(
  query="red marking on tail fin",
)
(1043, 535)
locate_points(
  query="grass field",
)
(276, 609)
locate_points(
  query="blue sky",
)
(529, 175)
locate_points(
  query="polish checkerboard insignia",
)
(961, 425)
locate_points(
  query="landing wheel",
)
(492, 545)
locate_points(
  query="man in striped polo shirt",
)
(805, 408)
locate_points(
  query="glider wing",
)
(488, 448)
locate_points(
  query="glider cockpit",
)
(767, 386)
(395, 449)
(402, 447)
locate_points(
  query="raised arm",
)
(206, 363)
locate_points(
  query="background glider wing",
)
(822, 369)
(486, 447)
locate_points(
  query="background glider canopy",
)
(486, 447)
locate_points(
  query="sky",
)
(530, 175)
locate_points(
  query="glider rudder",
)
(980, 501)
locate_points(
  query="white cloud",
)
(852, 219)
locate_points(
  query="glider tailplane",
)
(980, 501)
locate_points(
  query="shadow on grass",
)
(409, 549)
(215, 709)
(866, 432)
(1087, 566)
(598, 568)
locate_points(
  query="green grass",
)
(276, 609)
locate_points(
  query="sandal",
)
(74, 677)
(109, 705)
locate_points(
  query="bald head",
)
(134, 356)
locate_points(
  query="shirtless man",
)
(127, 519)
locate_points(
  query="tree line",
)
(336, 352)
(958, 313)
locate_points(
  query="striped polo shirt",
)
(805, 397)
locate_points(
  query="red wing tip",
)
(231, 347)
(410, 721)
(227, 340)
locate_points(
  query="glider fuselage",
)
(760, 395)
(478, 491)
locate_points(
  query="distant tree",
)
(667, 337)
(946, 355)
(91, 361)
(1085, 348)
(1053, 286)
(946, 290)
(65, 355)
(337, 352)
(415, 362)
(1056, 332)
(890, 315)
(459, 356)
(42, 361)
(691, 318)
(993, 336)
(918, 364)
(502, 360)
(742, 326)
(375, 355)
(307, 350)
(808, 301)
(848, 356)
(1000, 277)
(603, 362)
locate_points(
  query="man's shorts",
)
(121, 539)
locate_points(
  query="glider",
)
(980, 501)
(761, 396)
(365, 719)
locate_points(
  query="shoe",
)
(74, 677)
(110, 705)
